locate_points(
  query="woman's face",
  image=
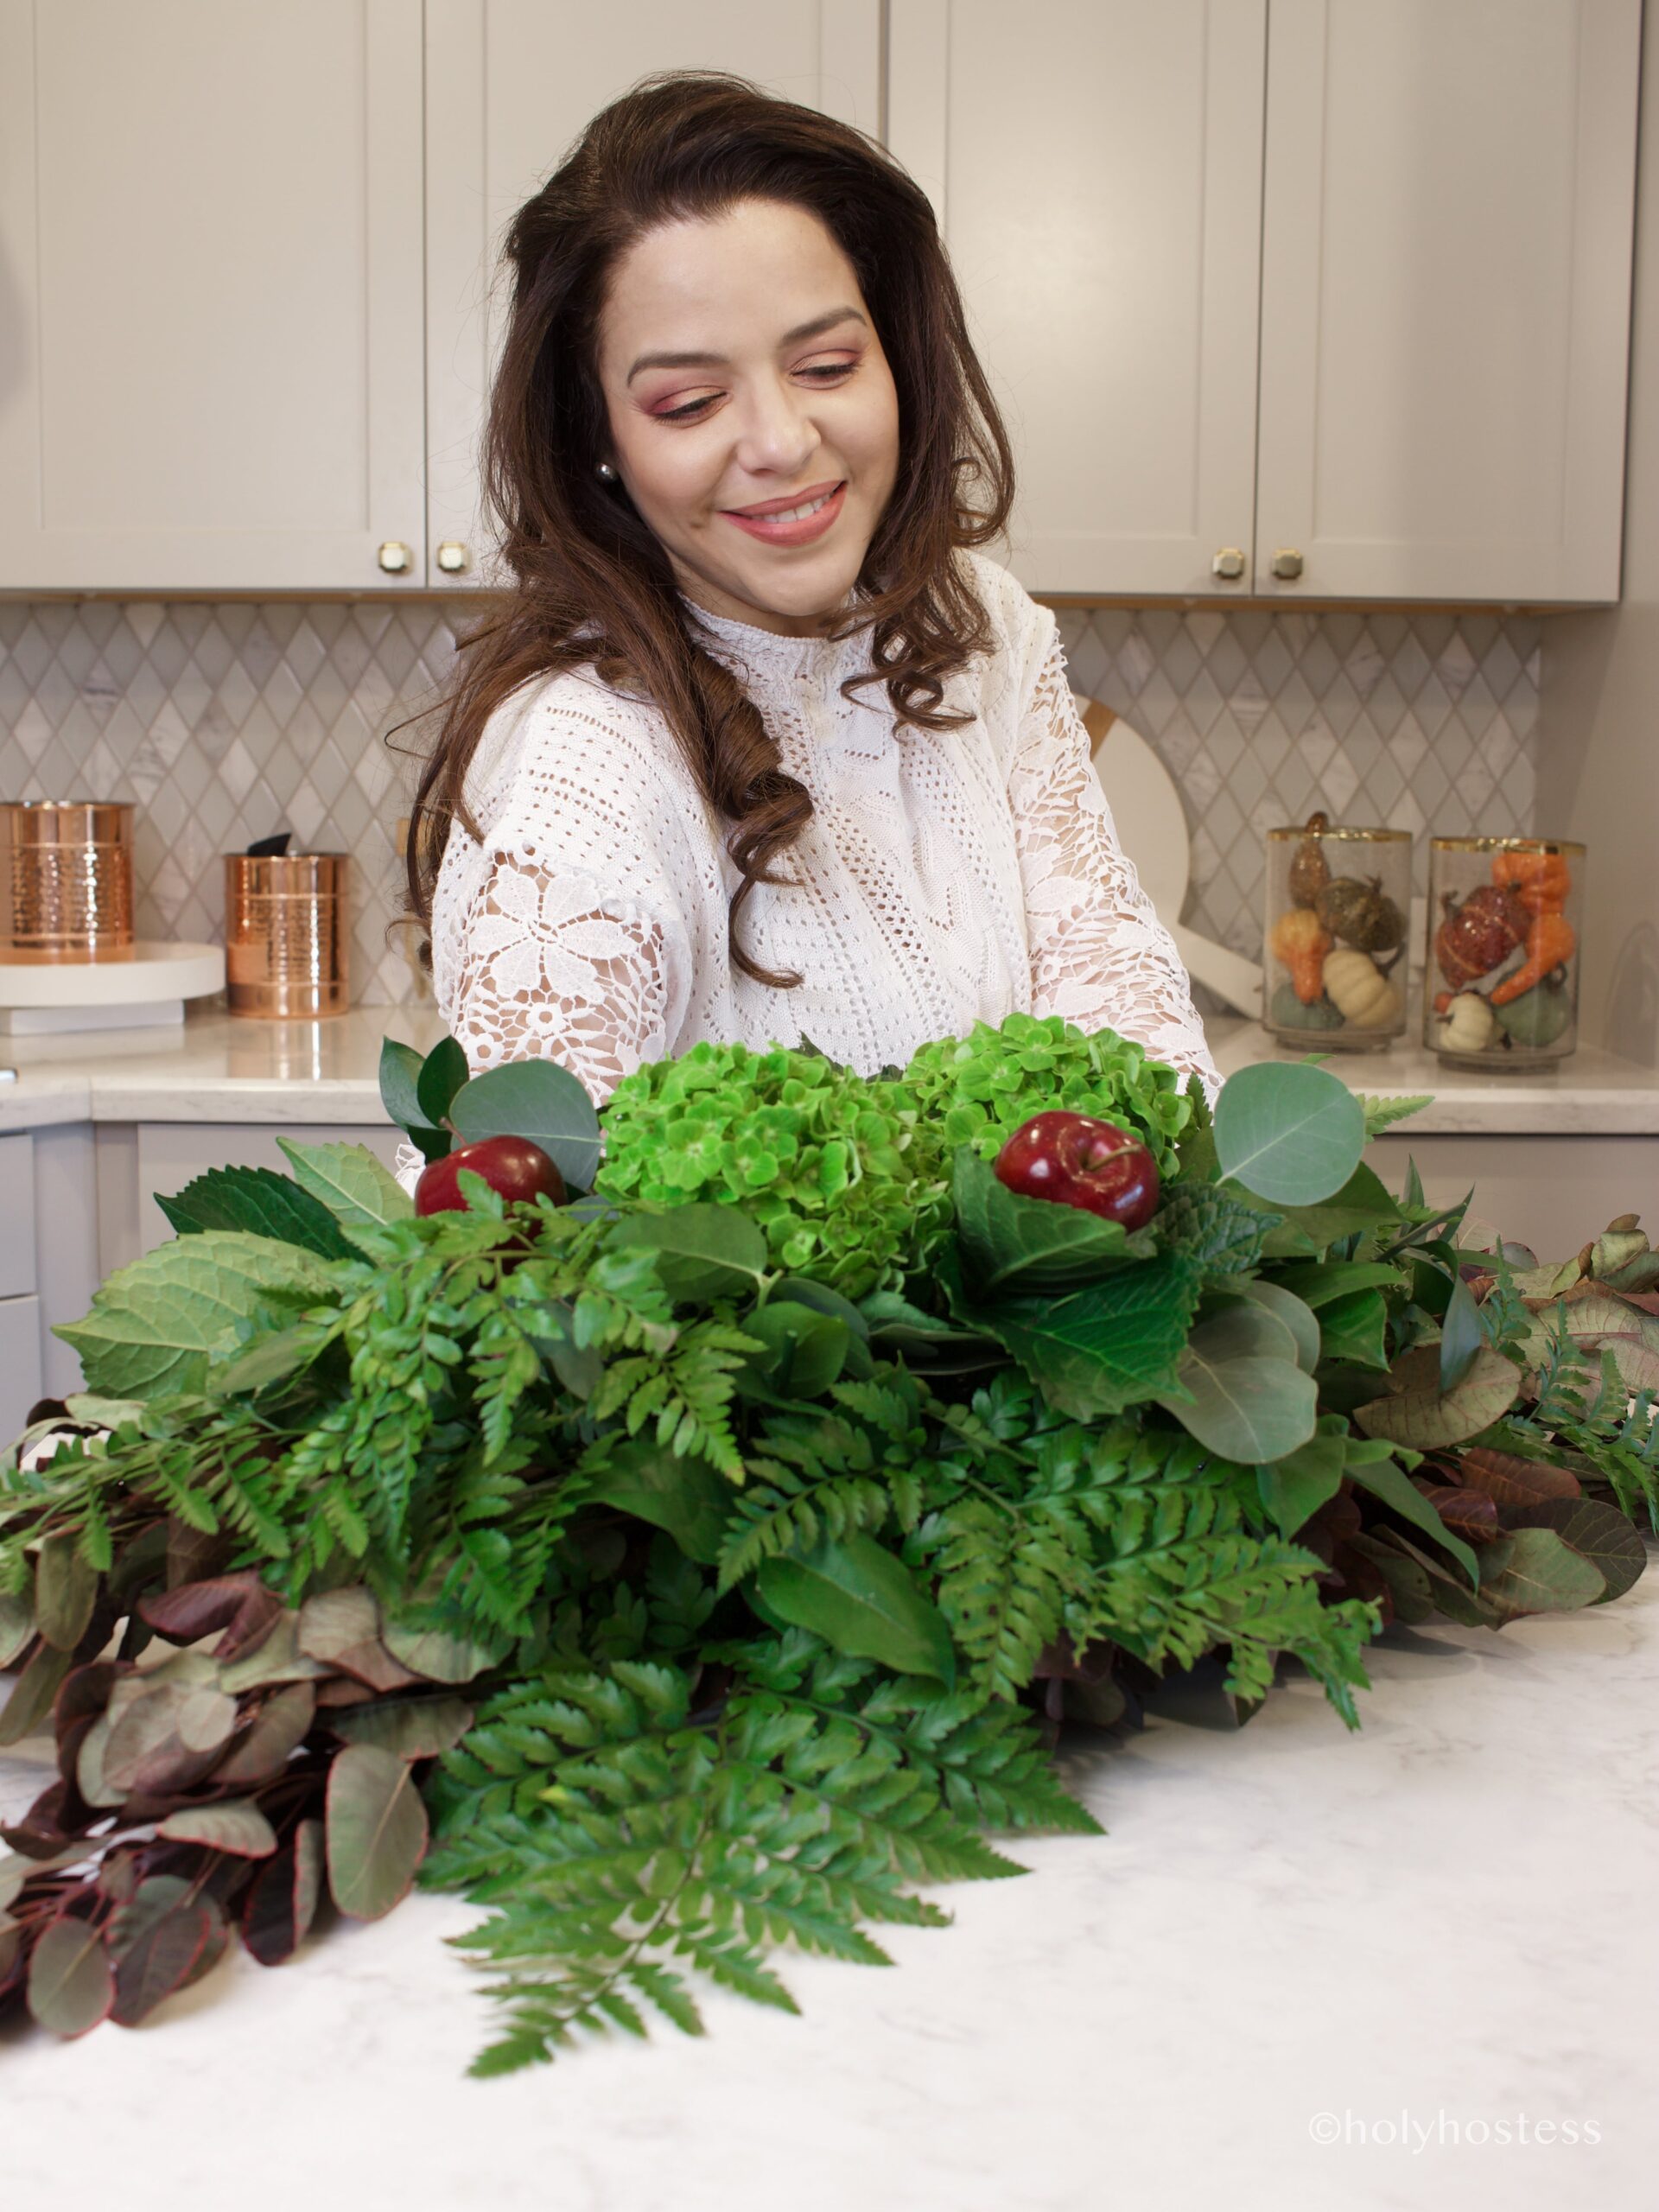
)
(780, 392)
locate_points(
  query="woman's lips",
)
(791, 533)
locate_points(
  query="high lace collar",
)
(765, 652)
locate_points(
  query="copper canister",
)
(66, 880)
(286, 930)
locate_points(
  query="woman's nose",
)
(778, 434)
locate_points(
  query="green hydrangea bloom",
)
(848, 1178)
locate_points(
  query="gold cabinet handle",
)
(453, 557)
(396, 558)
(1287, 563)
(1229, 564)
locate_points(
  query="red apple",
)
(512, 1166)
(1078, 1161)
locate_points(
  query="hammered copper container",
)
(66, 880)
(287, 930)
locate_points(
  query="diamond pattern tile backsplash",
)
(227, 722)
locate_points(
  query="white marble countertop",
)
(1450, 1917)
(219, 1069)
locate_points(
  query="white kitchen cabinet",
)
(166, 1156)
(1445, 285)
(509, 85)
(1438, 206)
(211, 295)
(1096, 167)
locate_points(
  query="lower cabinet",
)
(167, 1154)
(1553, 1193)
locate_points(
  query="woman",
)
(714, 774)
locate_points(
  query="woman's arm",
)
(1099, 955)
(553, 963)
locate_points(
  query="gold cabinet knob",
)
(396, 558)
(1229, 564)
(452, 556)
(1287, 563)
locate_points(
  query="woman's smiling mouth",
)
(797, 524)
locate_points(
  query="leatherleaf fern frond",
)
(626, 1842)
(814, 1471)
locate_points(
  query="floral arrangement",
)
(684, 1528)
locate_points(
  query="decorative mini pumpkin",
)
(1539, 881)
(1310, 871)
(1470, 1024)
(1287, 1011)
(1479, 935)
(1361, 914)
(1359, 991)
(1538, 1017)
(1300, 942)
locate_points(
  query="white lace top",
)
(944, 876)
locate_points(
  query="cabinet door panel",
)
(510, 86)
(1095, 165)
(20, 1364)
(210, 230)
(169, 1154)
(1447, 222)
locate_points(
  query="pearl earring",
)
(607, 472)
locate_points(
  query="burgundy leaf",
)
(1512, 1481)
(161, 1958)
(186, 1614)
(1465, 1510)
(48, 1824)
(278, 1727)
(282, 1902)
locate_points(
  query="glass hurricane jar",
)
(1501, 976)
(1337, 903)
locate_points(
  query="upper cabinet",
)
(1445, 297)
(210, 371)
(1308, 298)
(1439, 209)
(509, 87)
(1095, 166)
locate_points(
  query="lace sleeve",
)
(1099, 955)
(553, 962)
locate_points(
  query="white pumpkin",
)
(1359, 990)
(1469, 1027)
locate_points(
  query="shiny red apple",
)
(1079, 1160)
(512, 1166)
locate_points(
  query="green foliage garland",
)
(701, 1568)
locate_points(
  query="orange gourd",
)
(1539, 881)
(1550, 942)
(1299, 941)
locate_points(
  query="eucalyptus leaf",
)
(376, 1833)
(1291, 1134)
(66, 1590)
(1361, 1203)
(1598, 1533)
(164, 1947)
(439, 1655)
(1291, 1313)
(861, 1599)
(159, 1324)
(1316, 1282)
(281, 1903)
(704, 1251)
(350, 1181)
(538, 1100)
(411, 1728)
(260, 1201)
(1533, 1570)
(16, 1627)
(1250, 1405)
(31, 1701)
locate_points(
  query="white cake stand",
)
(146, 991)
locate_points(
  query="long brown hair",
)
(691, 145)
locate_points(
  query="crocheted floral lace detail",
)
(945, 876)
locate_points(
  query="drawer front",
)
(20, 1364)
(17, 1217)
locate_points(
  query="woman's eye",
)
(822, 372)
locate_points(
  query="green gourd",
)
(1287, 1011)
(1361, 914)
(1538, 1017)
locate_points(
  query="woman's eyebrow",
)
(818, 324)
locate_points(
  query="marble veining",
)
(1449, 1915)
